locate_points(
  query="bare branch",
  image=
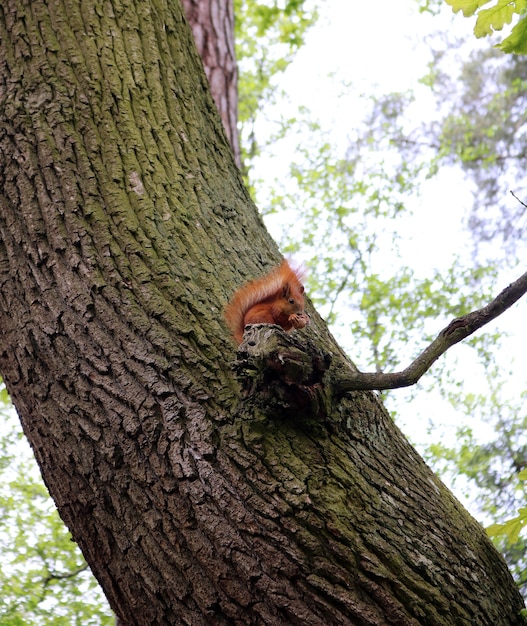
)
(64, 576)
(516, 198)
(456, 331)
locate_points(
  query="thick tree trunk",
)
(124, 228)
(212, 23)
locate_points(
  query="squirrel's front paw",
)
(298, 320)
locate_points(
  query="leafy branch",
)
(458, 329)
(494, 18)
(512, 528)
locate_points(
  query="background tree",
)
(480, 126)
(212, 25)
(190, 502)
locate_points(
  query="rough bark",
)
(124, 228)
(212, 23)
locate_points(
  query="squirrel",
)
(276, 298)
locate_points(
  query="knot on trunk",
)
(282, 375)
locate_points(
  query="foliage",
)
(44, 579)
(495, 18)
(511, 528)
(479, 126)
(267, 35)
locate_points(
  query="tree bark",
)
(212, 23)
(195, 497)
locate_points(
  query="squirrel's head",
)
(294, 296)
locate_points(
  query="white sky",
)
(363, 47)
(350, 45)
(379, 47)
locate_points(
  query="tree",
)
(44, 578)
(124, 227)
(212, 25)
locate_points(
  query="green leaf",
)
(517, 40)
(495, 18)
(468, 7)
(510, 528)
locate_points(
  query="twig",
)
(516, 197)
(57, 576)
(456, 331)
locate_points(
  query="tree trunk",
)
(195, 498)
(212, 23)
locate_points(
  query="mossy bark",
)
(124, 228)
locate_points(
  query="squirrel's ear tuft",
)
(286, 290)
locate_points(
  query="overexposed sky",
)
(379, 48)
(352, 51)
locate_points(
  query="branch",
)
(516, 198)
(57, 576)
(456, 331)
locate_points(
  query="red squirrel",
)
(276, 298)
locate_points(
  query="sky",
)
(367, 48)
(377, 53)
(378, 48)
